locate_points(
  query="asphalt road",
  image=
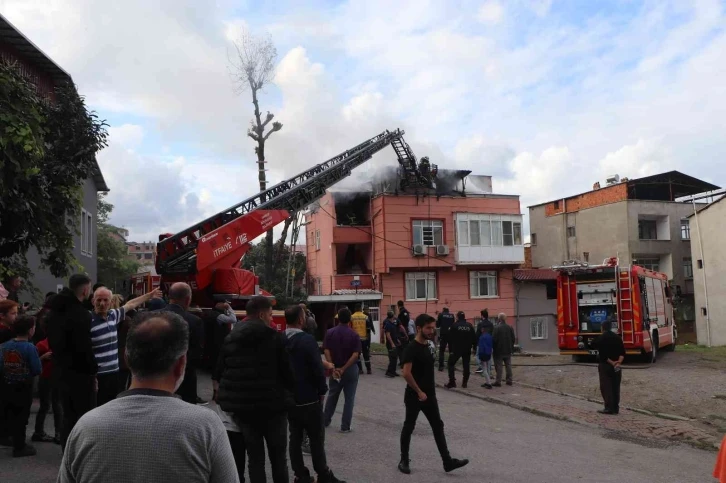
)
(503, 444)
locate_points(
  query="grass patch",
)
(377, 348)
(711, 353)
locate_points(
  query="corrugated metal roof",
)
(535, 274)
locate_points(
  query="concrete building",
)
(708, 252)
(142, 252)
(637, 220)
(46, 75)
(376, 247)
(536, 310)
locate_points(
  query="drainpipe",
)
(705, 285)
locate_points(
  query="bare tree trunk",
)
(281, 243)
(262, 176)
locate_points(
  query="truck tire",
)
(653, 355)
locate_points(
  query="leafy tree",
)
(114, 266)
(47, 151)
(254, 259)
(253, 69)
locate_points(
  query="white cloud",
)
(491, 12)
(126, 135)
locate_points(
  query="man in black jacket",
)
(180, 296)
(256, 385)
(462, 340)
(611, 353)
(310, 389)
(74, 365)
(503, 348)
(444, 322)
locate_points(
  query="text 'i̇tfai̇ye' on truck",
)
(208, 254)
(637, 301)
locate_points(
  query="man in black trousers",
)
(611, 355)
(462, 343)
(444, 323)
(420, 397)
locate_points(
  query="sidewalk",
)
(628, 424)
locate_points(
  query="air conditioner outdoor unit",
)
(442, 249)
(613, 179)
(418, 250)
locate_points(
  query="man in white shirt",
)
(147, 433)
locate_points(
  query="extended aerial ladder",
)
(219, 242)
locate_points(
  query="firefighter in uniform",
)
(359, 323)
(444, 323)
(462, 343)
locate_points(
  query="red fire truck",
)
(207, 255)
(637, 301)
(142, 283)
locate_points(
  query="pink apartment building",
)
(457, 250)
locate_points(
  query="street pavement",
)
(504, 445)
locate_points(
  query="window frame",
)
(475, 275)
(86, 233)
(541, 324)
(687, 264)
(649, 265)
(428, 277)
(417, 224)
(533, 239)
(571, 231)
(685, 229)
(653, 232)
(317, 240)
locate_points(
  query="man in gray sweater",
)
(147, 433)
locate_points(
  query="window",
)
(685, 229)
(483, 284)
(687, 267)
(463, 233)
(538, 328)
(571, 231)
(651, 263)
(507, 234)
(474, 233)
(148, 256)
(421, 286)
(317, 239)
(428, 232)
(496, 233)
(700, 263)
(586, 256)
(533, 238)
(551, 290)
(647, 229)
(557, 205)
(517, 233)
(86, 233)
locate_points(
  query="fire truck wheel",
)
(653, 356)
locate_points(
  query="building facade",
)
(708, 253)
(637, 220)
(431, 252)
(535, 293)
(143, 253)
(46, 75)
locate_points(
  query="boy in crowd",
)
(484, 354)
(19, 364)
(49, 395)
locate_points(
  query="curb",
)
(709, 446)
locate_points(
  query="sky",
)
(547, 96)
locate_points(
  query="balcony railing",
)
(351, 282)
(352, 234)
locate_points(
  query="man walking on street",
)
(484, 325)
(462, 340)
(104, 338)
(420, 396)
(444, 323)
(359, 323)
(69, 338)
(404, 317)
(394, 344)
(503, 348)
(310, 388)
(146, 433)
(611, 353)
(342, 347)
(180, 297)
(257, 386)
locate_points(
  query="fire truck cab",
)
(637, 301)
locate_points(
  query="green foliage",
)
(113, 264)
(254, 260)
(103, 210)
(47, 150)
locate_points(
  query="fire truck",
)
(208, 254)
(638, 302)
(142, 283)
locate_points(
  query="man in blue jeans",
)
(342, 347)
